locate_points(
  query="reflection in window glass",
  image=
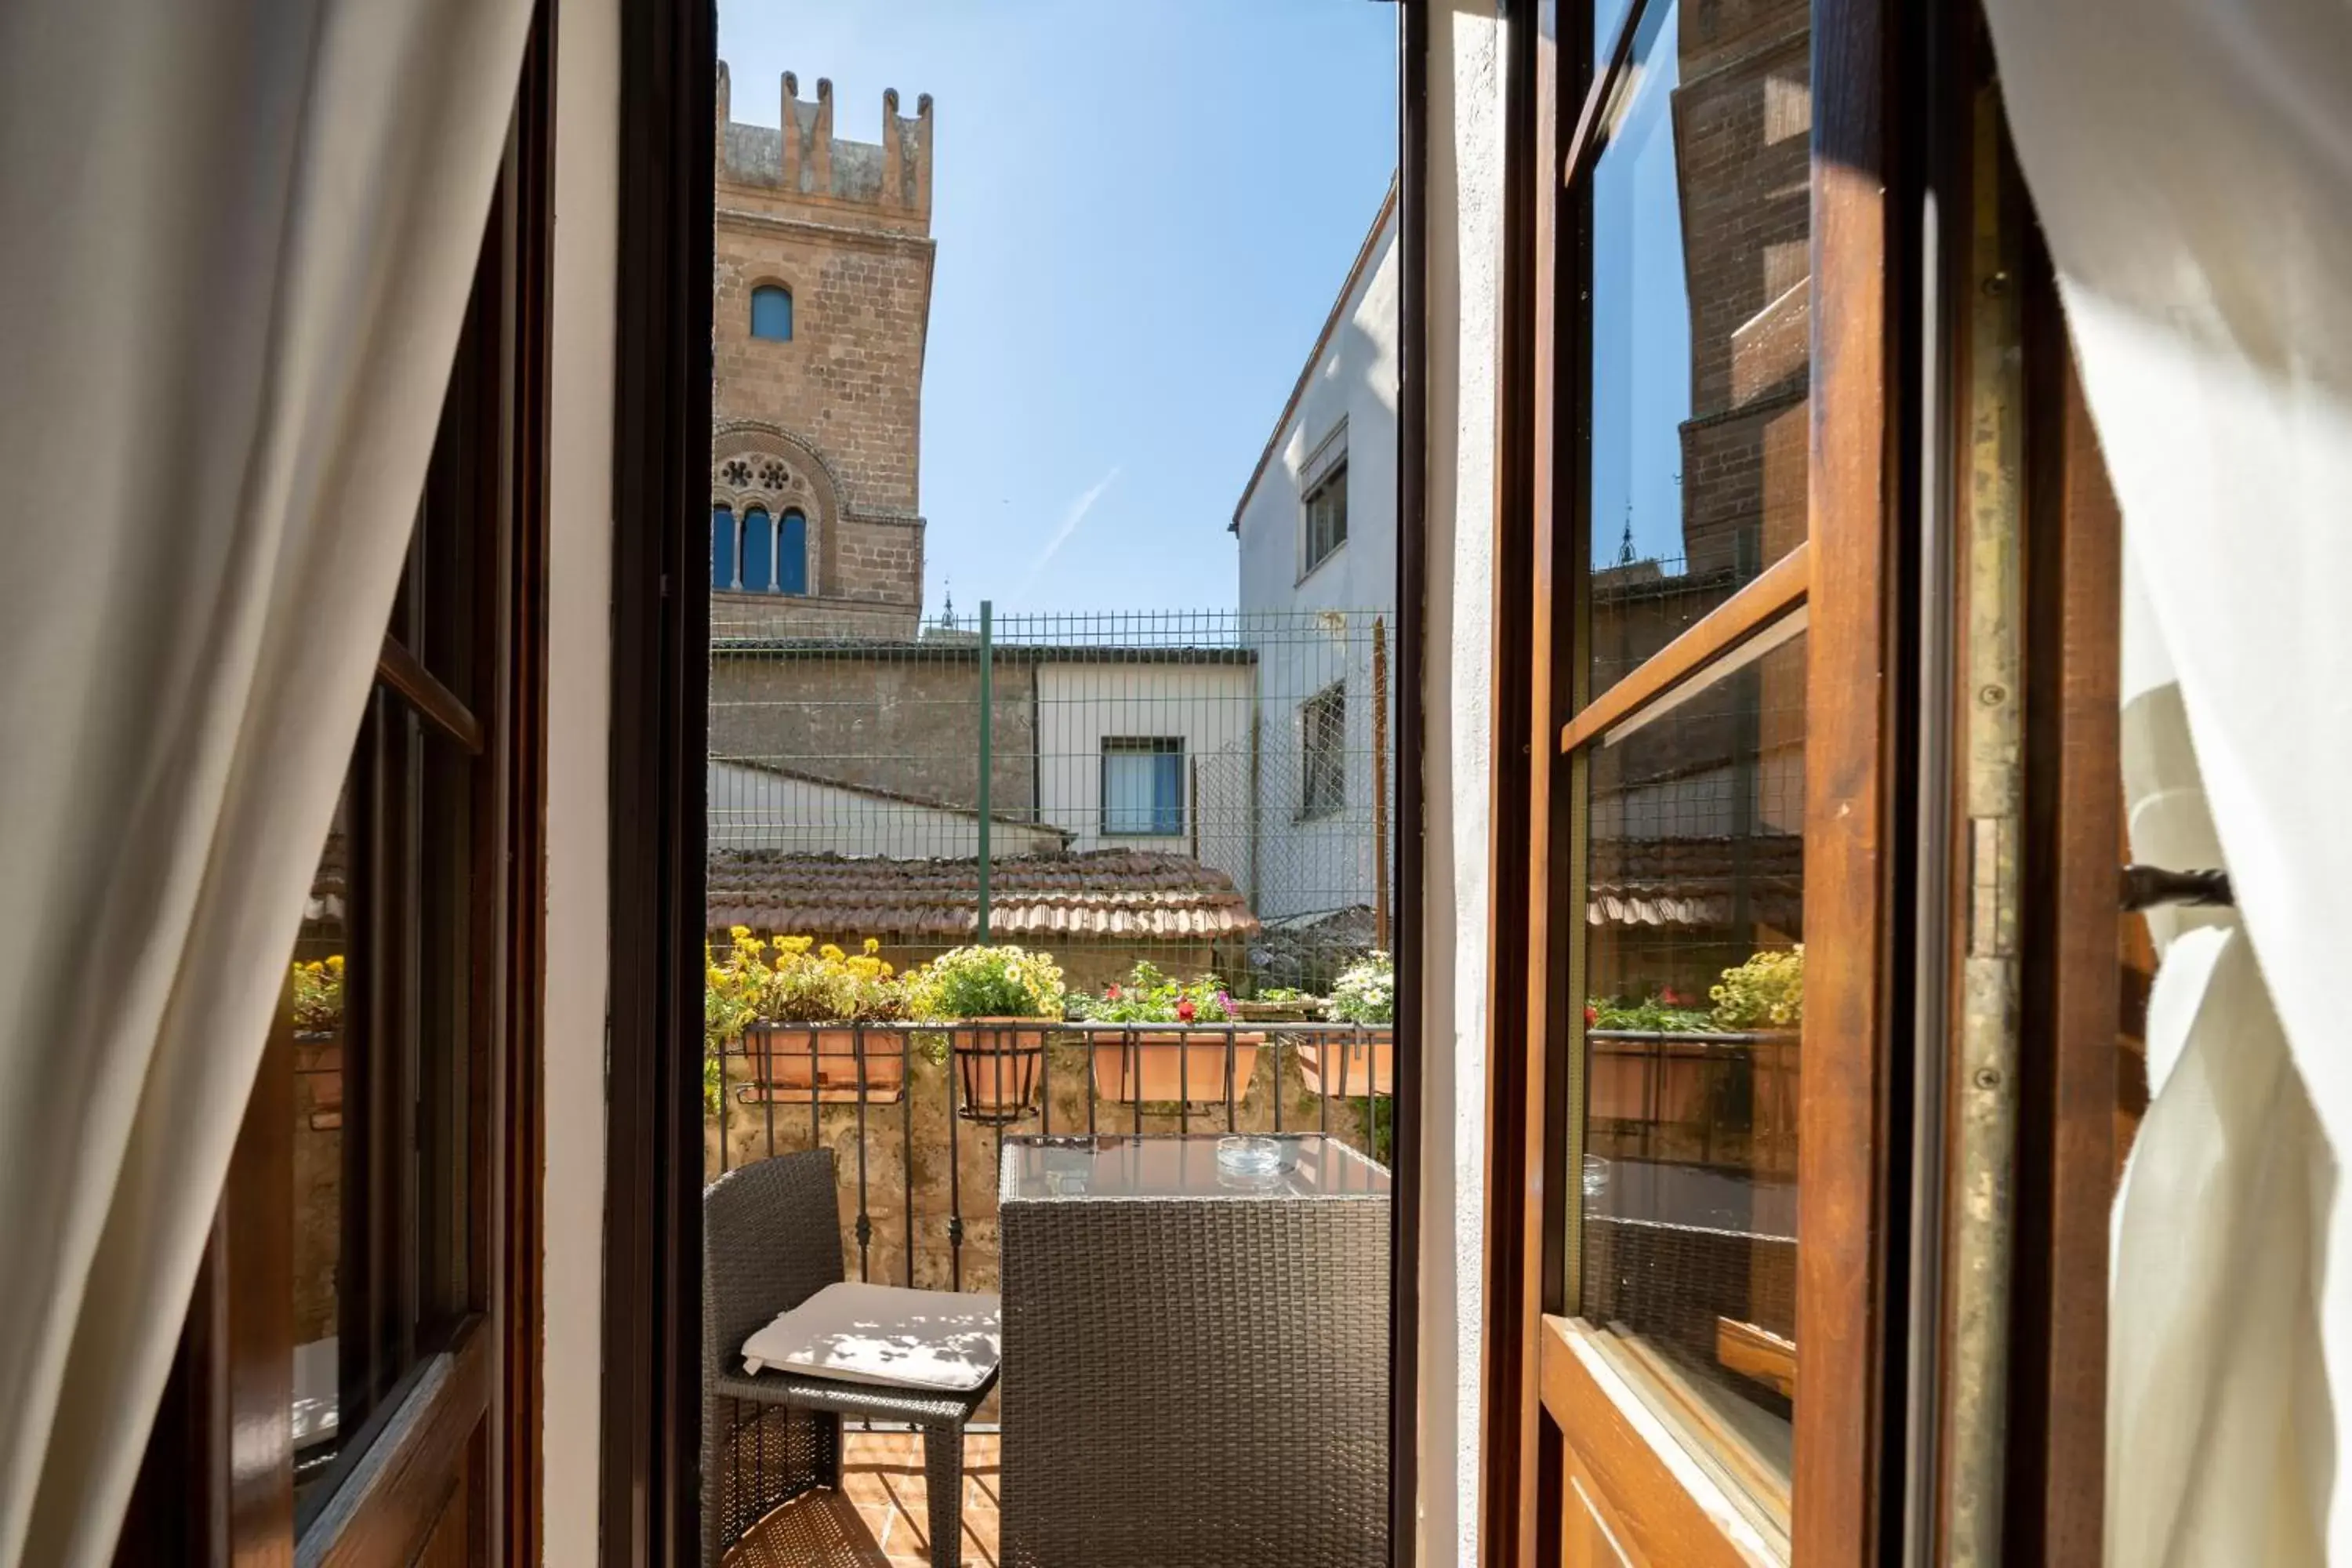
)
(1693, 959)
(322, 1054)
(1699, 207)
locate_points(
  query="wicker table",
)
(1195, 1365)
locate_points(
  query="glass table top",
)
(1199, 1165)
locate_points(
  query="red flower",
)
(1667, 994)
(1185, 1011)
(1112, 994)
(1592, 1015)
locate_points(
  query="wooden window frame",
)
(651, 1374)
(1847, 581)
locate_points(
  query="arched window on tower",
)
(759, 551)
(792, 554)
(724, 553)
(772, 313)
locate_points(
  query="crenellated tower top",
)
(804, 160)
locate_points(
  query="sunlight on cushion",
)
(882, 1334)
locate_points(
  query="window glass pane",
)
(1327, 515)
(792, 554)
(1168, 793)
(1143, 786)
(1693, 971)
(722, 547)
(1323, 752)
(1127, 791)
(323, 1052)
(1699, 210)
(759, 551)
(771, 314)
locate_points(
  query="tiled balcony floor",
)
(881, 1516)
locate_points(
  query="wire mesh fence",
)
(1207, 790)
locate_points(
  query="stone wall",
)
(905, 720)
(845, 226)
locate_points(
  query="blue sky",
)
(1144, 209)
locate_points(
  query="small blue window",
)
(1143, 786)
(792, 554)
(722, 547)
(772, 313)
(759, 551)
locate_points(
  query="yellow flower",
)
(873, 945)
(738, 933)
(830, 953)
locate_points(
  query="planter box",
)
(1173, 1064)
(1348, 1066)
(998, 1064)
(799, 1062)
(318, 1059)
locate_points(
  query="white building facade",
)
(1316, 529)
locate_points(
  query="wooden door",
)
(1695, 1041)
(357, 1378)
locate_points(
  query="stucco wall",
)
(1307, 866)
(1205, 706)
(1465, 185)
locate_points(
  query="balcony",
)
(917, 1117)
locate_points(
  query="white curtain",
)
(2191, 162)
(237, 238)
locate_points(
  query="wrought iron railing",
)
(917, 1115)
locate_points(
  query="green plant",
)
(1766, 992)
(1662, 1013)
(1280, 994)
(1365, 992)
(813, 985)
(1149, 996)
(318, 995)
(986, 982)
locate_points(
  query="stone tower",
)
(822, 303)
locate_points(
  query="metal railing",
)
(918, 1140)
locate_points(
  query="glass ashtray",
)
(1245, 1156)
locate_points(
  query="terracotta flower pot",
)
(998, 1063)
(1350, 1065)
(1173, 1064)
(319, 1064)
(801, 1062)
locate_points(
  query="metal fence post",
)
(987, 747)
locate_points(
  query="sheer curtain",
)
(237, 238)
(2191, 162)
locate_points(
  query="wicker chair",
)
(771, 1239)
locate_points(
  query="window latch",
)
(2151, 887)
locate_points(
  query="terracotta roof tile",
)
(1693, 883)
(1111, 892)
